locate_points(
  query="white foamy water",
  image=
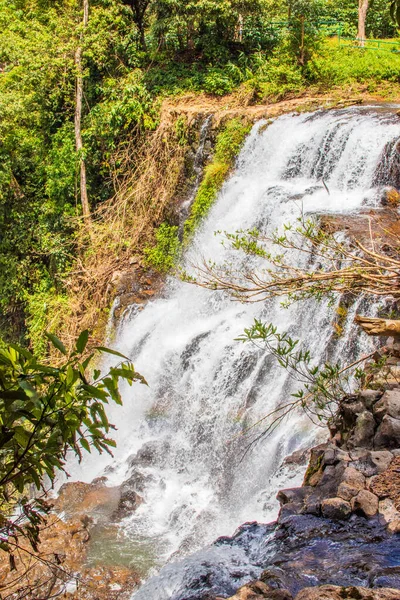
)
(204, 387)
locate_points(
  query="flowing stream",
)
(178, 440)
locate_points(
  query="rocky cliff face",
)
(337, 536)
(341, 527)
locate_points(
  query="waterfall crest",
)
(178, 439)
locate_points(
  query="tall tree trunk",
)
(78, 116)
(302, 58)
(362, 16)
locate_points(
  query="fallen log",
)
(384, 327)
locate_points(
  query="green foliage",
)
(323, 385)
(304, 33)
(212, 46)
(46, 411)
(228, 145)
(45, 309)
(378, 25)
(339, 66)
(218, 83)
(207, 27)
(165, 253)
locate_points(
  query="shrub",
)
(165, 253)
(228, 145)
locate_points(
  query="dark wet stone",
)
(388, 434)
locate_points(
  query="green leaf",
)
(85, 444)
(57, 343)
(22, 436)
(95, 392)
(82, 341)
(23, 351)
(113, 352)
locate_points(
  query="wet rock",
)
(333, 592)
(389, 404)
(138, 481)
(388, 510)
(300, 457)
(128, 504)
(373, 462)
(78, 498)
(335, 508)
(394, 526)
(364, 430)
(386, 577)
(333, 455)
(273, 577)
(293, 495)
(365, 503)
(369, 397)
(258, 590)
(388, 434)
(148, 454)
(354, 478)
(347, 492)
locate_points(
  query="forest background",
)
(87, 165)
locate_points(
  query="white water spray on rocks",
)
(178, 438)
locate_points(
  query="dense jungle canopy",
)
(81, 85)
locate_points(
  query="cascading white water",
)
(178, 437)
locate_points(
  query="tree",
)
(78, 115)
(208, 26)
(395, 12)
(139, 9)
(362, 17)
(45, 412)
(303, 28)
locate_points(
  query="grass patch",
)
(228, 145)
(335, 66)
(165, 253)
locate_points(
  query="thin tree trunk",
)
(362, 16)
(302, 52)
(78, 116)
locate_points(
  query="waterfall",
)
(178, 440)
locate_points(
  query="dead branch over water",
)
(333, 265)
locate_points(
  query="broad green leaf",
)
(95, 392)
(57, 343)
(82, 341)
(113, 352)
(85, 444)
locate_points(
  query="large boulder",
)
(389, 404)
(373, 463)
(365, 503)
(336, 509)
(333, 592)
(363, 434)
(258, 590)
(388, 434)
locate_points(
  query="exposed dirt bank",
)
(235, 105)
